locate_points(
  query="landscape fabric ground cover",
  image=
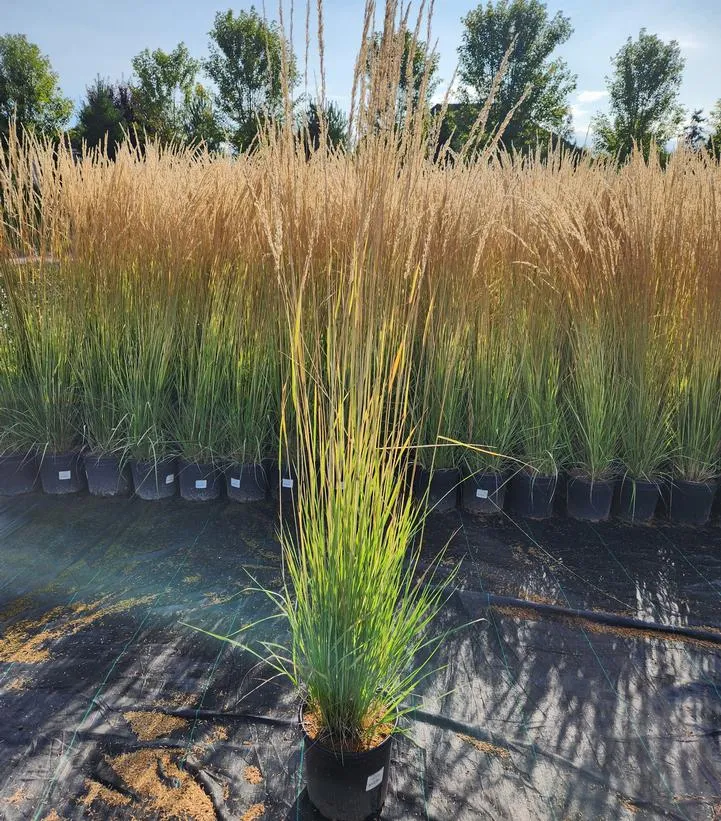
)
(552, 707)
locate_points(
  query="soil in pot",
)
(636, 500)
(62, 473)
(442, 486)
(18, 474)
(155, 480)
(199, 482)
(589, 500)
(484, 493)
(345, 785)
(690, 503)
(531, 495)
(106, 476)
(246, 483)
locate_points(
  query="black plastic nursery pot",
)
(18, 474)
(246, 482)
(484, 493)
(637, 500)
(690, 503)
(199, 482)
(284, 485)
(441, 485)
(155, 480)
(106, 476)
(589, 500)
(62, 473)
(346, 786)
(531, 495)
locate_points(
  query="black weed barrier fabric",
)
(592, 689)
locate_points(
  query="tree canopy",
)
(643, 97)
(524, 27)
(246, 65)
(29, 88)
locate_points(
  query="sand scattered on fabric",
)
(166, 790)
(26, 642)
(17, 797)
(99, 792)
(18, 684)
(253, 775)
(148, 725)
(53, 816)
(486, 747)
(255, 812)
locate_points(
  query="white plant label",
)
(287, 483)
(201, 484)
(235, 482)
(374, 780)
(64, 475)
(169, 479)
(482, 494)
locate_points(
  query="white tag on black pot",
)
(64, 475)
(481, 493)
(169, 479)
(201, 484)
(235, 482)
(374, 780)
(287, 483)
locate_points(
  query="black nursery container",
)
(637, 500)
(246, 483)
(18, 474)
(155, 480)
(531, 495)
(62, 473)
(441, 485)
(484, 493)
(199, 482)
(107, 477)
(589, 500)
(284, 485)
(348, 786)
(690, 503)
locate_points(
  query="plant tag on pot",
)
(481, 493)
(64, 475)
(169, 479)
(374, 780)
(287, 483)
(234, 482)
(201, 484)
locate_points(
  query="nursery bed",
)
(551, 708)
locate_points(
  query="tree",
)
(694, 135)
(163, 89)
(643, 94)
(246, 59)
(29, 88)
(416, 64)
(201, 123)
(106, 113)
(714, 141)
(524, 27)
(333, 121)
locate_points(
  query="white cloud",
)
(591, 96)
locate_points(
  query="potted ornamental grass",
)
(250, 443)
(644, 449)
(358, 611)
(145, 388)
(540, 417)
(202, 386)
(44, 334)
(491, 414)
(594, 409)
(99, 364)
(695, 426)
(438, 411)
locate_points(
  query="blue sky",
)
(84, 38)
